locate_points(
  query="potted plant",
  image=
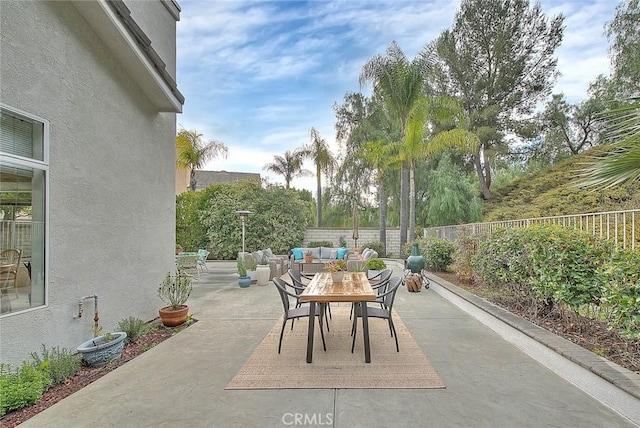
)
(243, 281)
(174, 291)
(102, 348)
(308, 256)
(374, 266)
(263, 271)
(337, 269)
(251, 264)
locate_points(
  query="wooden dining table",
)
(354, 287)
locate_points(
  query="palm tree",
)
(318, 151)
(289, 166)
(376, 153)
(400, 84)
(622, 164)
(193, 153)
(416, 146)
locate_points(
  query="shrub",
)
(61, 364)
(314, 244)
(438, 253)
(621, 296)
(22, 387)
(342, 242)
(375, 264)
(376, 246)
(135, 327)
(548, 264)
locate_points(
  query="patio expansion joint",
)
(622, 378)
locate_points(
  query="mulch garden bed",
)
(86, 375)
(586, 332)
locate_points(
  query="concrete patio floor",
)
(489, 381)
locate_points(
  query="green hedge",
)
(552, 265)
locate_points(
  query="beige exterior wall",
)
(111, 192)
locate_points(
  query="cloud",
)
(259, 74)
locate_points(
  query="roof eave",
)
(113, 32)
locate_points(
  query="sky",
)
(257, 75)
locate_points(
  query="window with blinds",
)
(20, 136)
(23, 208)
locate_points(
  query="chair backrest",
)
(284, 296)
(202, 256)
(390, 294)
(10, 256)
(296, 278)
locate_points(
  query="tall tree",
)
(365, 128)
(498, 60)
(624, 35)
(289, 166)
(571, 128)
(318, 151)
(194, 153)
(399, 82)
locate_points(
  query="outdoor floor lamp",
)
(243, 217)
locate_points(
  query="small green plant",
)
(135, 327)
(60, 363)
(375, 264)
(175, 290)
(264, 261)
(342, 242)
(22, 387)
(241, 266)
(97, 330)
(336, 265)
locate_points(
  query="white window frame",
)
(43, 166)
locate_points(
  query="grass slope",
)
(548, 192)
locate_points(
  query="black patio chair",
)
(375, 312)
(297, 276)
(295, 313)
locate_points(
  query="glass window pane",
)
(22, 221)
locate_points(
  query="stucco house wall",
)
(111, 170)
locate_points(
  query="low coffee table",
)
(311, 267)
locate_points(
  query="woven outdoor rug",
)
(337, 367)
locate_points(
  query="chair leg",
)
(281, 333)
(351, 312)
(354, 331)
(329, 307)
(325, 315)
(395, 335)
(324, 345)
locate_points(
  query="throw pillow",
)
(268, 252)
(342, 252)
(297, 253)
(333, 254)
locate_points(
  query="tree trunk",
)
(383, 215)
(319, 196)
(192, 180)
(484, 188)
(412, 203)
(404, 199)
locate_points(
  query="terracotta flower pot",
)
(308, 259)
(171, 317)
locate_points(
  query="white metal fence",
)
(19, 235)
(621, 227)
